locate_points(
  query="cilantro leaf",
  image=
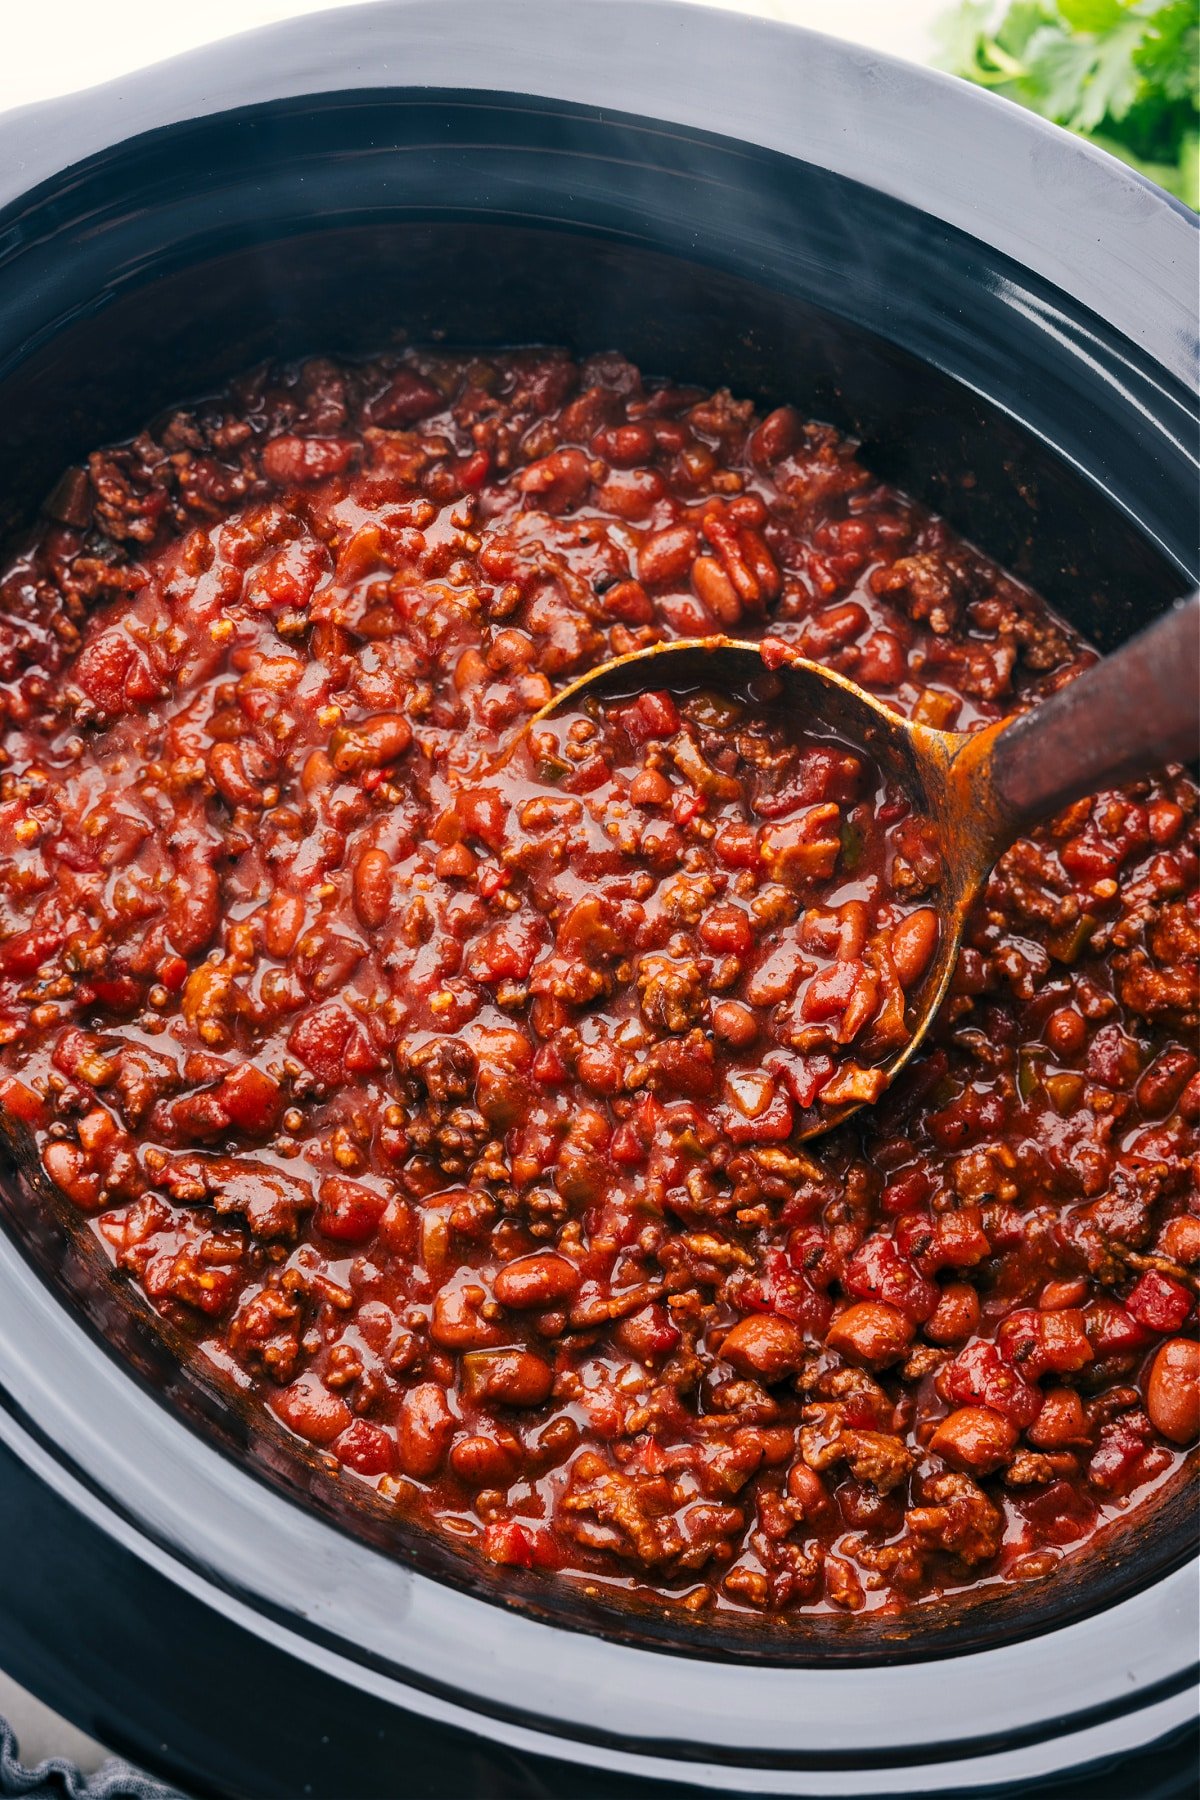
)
(1123, 73)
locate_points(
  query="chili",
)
(450, 1103)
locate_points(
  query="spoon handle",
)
(1129, 714)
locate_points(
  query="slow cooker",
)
(1004, 316)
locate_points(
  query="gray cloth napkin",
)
(57, 1779)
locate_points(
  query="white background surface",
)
(56, 47)
(59, 46)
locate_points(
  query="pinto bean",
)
(735, 1024)
(71, 1169)
(1173, 1390)
(871, 1332)
(311, 1411)
(975, 1439)
(1061, 1422)
(457, 1323)
(1066, 1032)
(764, 1345)
(482, 1462)
(1180, 1239)
(624, 445)
(227, 766)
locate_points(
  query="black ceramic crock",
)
(1005, 318)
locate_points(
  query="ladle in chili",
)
(1126, 716)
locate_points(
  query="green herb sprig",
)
(1121, 73)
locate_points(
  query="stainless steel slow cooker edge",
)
(1006, 317)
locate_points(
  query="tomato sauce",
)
(449, 1096)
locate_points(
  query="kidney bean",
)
(913, 943)
(762, 565)
(829, 630)
(506, 1377)
(775, 437)
(732, 556)
(630, 493)
(227, 766)
(533, 1283)
(624, 445)
(457, 1323)
(667, 555)
(558, 481)
(482, 1462)
(311, 1411)
(370, 745)
(283, 920)
(301, 462)
(406, 398)
(424, 1428)
(193, 909)
(373, 888)
(715, 589)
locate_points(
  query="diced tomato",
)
(1159, 1302)
(1040, 1343)
(323, 1040)
(26, 951)
(905, 1191)
(652, 715)
(785, 1288)
(348, 1212)
(877, 1271)
(979, 1376)
(251, 1098)
(366, 1448)
(1112, 1330)
(113, 672)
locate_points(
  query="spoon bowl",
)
(1127, 715)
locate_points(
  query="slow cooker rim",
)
(923, 1713)
(1009, 158)
(1178, 1593)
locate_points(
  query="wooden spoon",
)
(1128, 715)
